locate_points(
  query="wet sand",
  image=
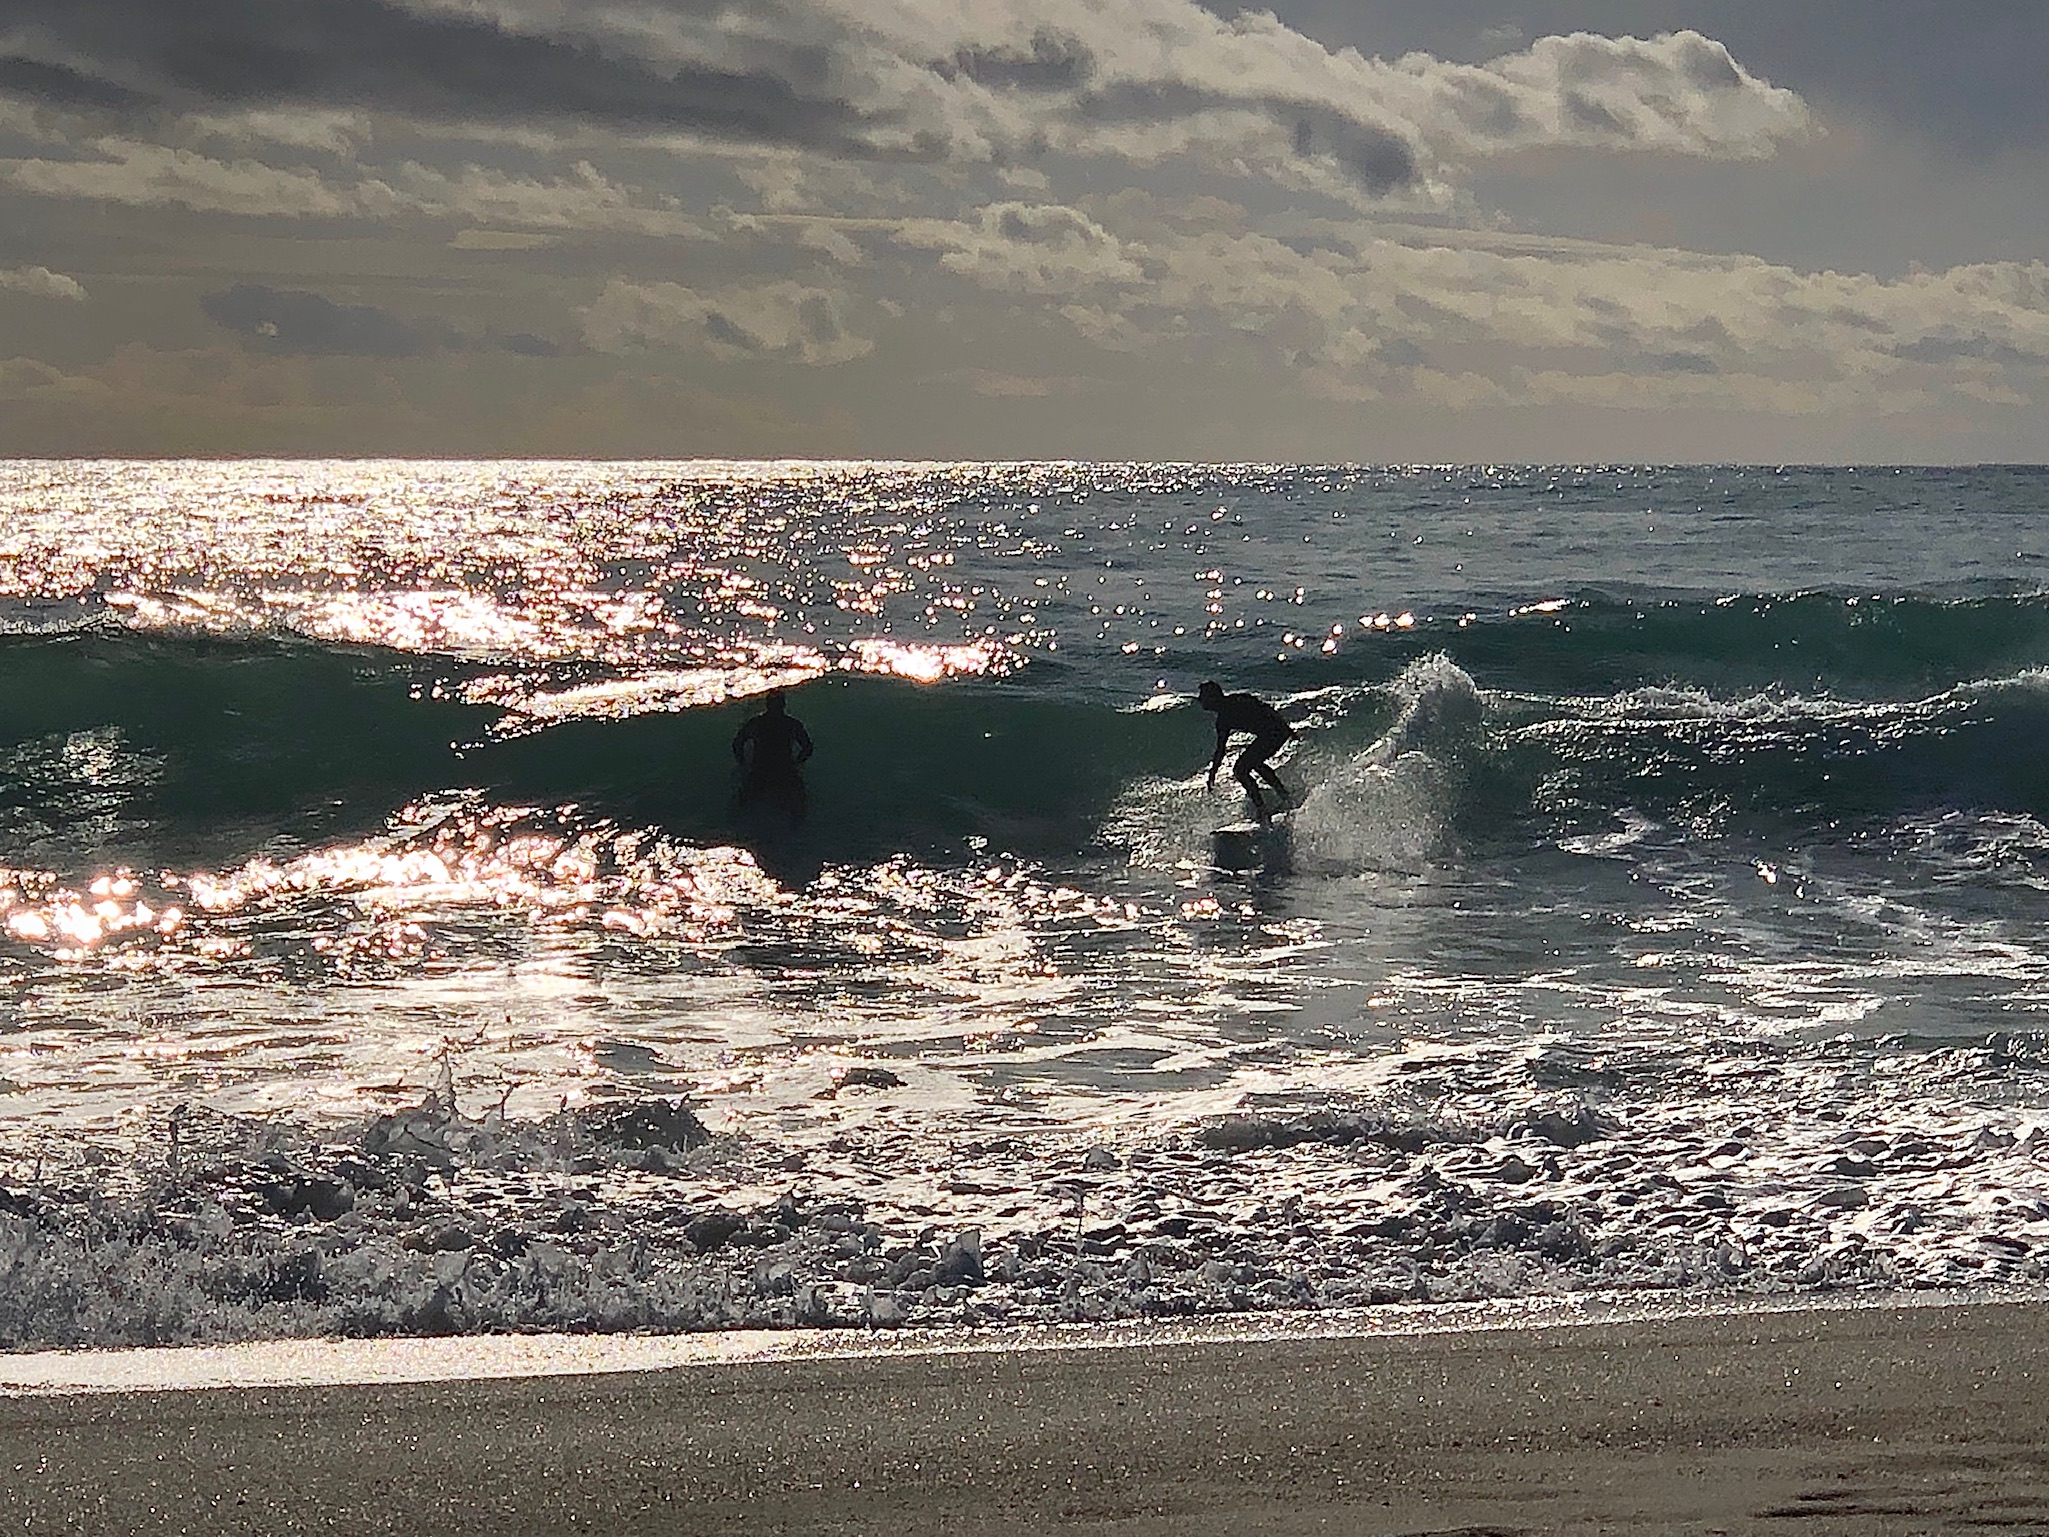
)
(1865, 1420)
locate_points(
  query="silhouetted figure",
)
(769, 748)
(1254, 717)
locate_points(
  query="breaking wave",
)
(135, 743)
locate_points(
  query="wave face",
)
(1664, 901)
(140, 742)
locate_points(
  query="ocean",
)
(383, 950)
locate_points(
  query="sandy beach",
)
(1866, 1420)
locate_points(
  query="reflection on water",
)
(534, 929)
(326, 786)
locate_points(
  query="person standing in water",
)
(1254, 717)
(769, 747)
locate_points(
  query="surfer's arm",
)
(1223, 746)
(803, 740)
(740, 742)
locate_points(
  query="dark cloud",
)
(817, 322)
(1708, 65)
(1320, 244)
(63, 87)
(1969, 349)
(1054, 62)
(1590, 115)
(1044, 224)
(812, 327)
(1150, 101)
(1487, 110)
(292, 321)
(288, 320)
(374, 53)
(522, 344)
(1682, 363)
(721, 327)
(1379, 160)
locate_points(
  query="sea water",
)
(382, 948)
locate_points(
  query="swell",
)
(1829, 643)
(130, 741)
(133, 743)
(138, 745)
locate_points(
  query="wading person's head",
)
(1210, 695)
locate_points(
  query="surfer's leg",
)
(1244, 771)
(1254, 761)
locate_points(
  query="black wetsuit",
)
(768, 749)
(1254, 717)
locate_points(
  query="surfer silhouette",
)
(1249, 715)
(769, 747)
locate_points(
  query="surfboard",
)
(1251, 828)
(1249, 845)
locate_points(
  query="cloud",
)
(1680, 92)
(997, 385)
(295, 322)
(30, 379)
(428, 62)
(1051, 61)
(585, 199)
(993, 81)
(339, 134)
(63, 86)
(41, 282)
(783, 321)
(1027, 247)
(498, 240)
(1157, 77)
(1352, 314)
(155, 175)
(140, 174)
(291, 321)
(1949, 346)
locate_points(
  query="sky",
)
(1331, 231)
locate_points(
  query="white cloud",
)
(498, 240)
(583, 200)
(782, 321)
(1148, 78)
(1004, 81)
(341, 134)
(1466, 318)
(1035, 248)
(154, 175)
(42, 283)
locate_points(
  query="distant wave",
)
(1829, 643)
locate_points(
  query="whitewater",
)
(382, 951)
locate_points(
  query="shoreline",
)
(402, 1360)
(1875, 1414)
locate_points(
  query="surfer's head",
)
(1210, 695)
(777, 702)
